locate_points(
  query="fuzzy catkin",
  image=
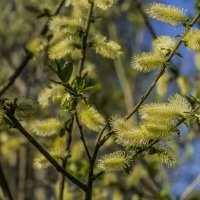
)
(165, 13)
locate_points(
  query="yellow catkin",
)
(113, 162)
(64, 24)
(179, 103)
(162, 85)
(91, 118)
(183, 84)
(54, 93)
(134, 138)
(163, 45)
(166, 156)
(104, 4)
(192, 39)
(36, 45)
(165, 13)
(61, 49)
(47, 127)
(108, 49)
(147, 61)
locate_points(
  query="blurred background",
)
(119, 88)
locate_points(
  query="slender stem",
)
(64, 162)
(4, 184)
(85, 37)
(82, 137)
(41, 149)
(27, 58)
(146, 21)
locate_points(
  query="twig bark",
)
(85, 37)
(41, 149)
(64, 162)
(82, 137)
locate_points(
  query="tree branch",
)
(82, 137)
(85, 37)
(58, 167)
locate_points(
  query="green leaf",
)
(64, 70)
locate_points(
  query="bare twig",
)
(27, 57)
(190, 188)
(58, 167)
(85, 37)
(68, 135)
(82, 136)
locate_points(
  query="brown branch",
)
(4, 184)
(41, 149)
(27, 57)
(146, 21)
(64, 162)
(82, 136)
(85, 37)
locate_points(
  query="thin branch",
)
(4, 184)
(82, 136)
(41, 149)
(85, 37)
(68, 135)
(190, 188)
(27, 58)
(146, 21)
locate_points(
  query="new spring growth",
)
(108, 49)
(66, 25)
(53, 93)
(105, 4)
(91, 118)
(113, 162)
(147, 61)
(163, 45)
(192, 39)
(176, 107)
(165, 13)
(47, 127)
(61, 49)
(166, 156)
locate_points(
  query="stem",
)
(146, 21)
(4, 184)
(64, 162)
(82, 137)
(27, 58)
(41, 149)
(85, 37)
